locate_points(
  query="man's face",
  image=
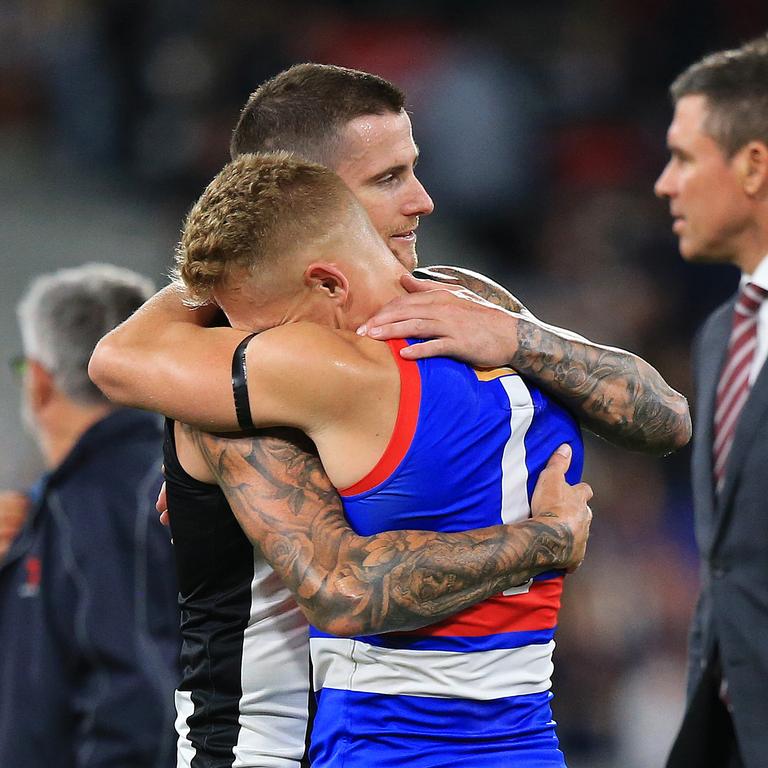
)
(377, 160)
(702, 184)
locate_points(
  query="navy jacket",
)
(89, 625)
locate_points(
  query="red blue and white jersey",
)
(466, 451)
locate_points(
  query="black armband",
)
(240, 385)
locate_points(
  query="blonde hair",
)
(258, 209)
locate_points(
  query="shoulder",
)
(311, 344)
(304, 375)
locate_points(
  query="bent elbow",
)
(679, 431)
(345, 618)
(685, 429)
(105, 370)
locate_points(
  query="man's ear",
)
(328, 279)
(754, 168)
(40, 383)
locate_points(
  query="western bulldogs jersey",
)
(244, 697)
(465, 453)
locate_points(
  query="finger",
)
(587, 490)
(432, 348)
(161, 505)
(407, 329)
(560, 460)
(583, 490)
(411, 307)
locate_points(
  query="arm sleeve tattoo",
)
(348, 584)
(614, 393)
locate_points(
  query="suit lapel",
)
(748, 426)
(710, 354)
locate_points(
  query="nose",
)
(418, 203)
(663, 187)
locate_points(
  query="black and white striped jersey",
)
(243, 700)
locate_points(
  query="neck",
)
(365, 306)
(62, 425)
(753, 246)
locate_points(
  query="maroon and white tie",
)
(733, 388)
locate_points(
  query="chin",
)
(406, 256)
(690, 251)
(699, 254)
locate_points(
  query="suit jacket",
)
(732, 535)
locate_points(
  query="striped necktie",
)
(733, 388)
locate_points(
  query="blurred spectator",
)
(89, 625)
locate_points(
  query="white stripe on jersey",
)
(351, 665)
(184, 749)
(514, 471)
(274, 675)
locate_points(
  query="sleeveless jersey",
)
(244, 696)
(465, 453)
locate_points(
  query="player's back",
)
(243, 699)
(466, 452)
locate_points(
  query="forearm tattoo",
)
(613, 393)
(348, 584)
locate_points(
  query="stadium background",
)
(541, 127)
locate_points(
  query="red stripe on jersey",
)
(405, 424)
(532, 610)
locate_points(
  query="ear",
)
(328, 280)
(754, 168)
(40, 383)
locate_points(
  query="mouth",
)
(409, 236)
(678, 224)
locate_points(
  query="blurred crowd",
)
(541, 128)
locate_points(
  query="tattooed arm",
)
(351, 585)
(614, 393)
(459, 277)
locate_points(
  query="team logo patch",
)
(34, 569)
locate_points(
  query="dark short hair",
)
(303, 109)
(735, 85)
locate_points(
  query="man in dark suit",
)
(717, 186)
